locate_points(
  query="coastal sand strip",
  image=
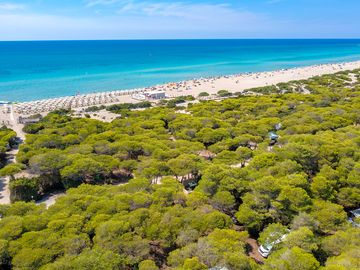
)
(232, 83)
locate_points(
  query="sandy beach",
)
(232, 83)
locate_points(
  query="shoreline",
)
(232, 83)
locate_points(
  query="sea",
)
(46, 69)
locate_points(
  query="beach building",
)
(24, 120)
(156, 95)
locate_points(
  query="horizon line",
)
(174, 39)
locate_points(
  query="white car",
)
(265, 249)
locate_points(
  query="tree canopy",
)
(160, 188)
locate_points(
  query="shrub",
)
(204, 94)
(224, 93)
(24, 189)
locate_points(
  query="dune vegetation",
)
(187, 188)
(7, 137)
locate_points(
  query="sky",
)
(177, 19)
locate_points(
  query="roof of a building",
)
(156, 92)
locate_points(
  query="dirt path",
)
(14, 125)
(50, 199)
(4, 181)
(254, 253)
(4, 190)
(10, 119)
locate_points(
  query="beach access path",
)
(9, 119)
(5, 181)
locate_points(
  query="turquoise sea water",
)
(45, 69)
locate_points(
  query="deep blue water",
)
(44, 69)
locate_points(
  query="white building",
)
(24, 120)
(156, 95)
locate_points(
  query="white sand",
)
(232, 83)
(4, 190)
(50, 199)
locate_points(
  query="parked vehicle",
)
(354, 217)
(265, 249)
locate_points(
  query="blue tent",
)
(273, 136)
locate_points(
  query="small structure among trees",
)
(29, 120)
(155, 95)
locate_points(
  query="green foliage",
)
(303, 238)
(266, 89)
(4, 253)
(348, 260)
(7, 140)
(193, 264)
(272, 233)
(217, 248)
(12, 169)
(95, 108)
(118, 108)
(148, 265)
(24, 189)
(11, 227)
(224, 93)
(172, 103)
(124, 223)
(31, 259)
(341, 242)
(33, 128)
(291, 259)
(204, 94)
(306, 182)
(96, 259)
(331, 217)
(223, 200)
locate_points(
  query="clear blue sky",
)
(144, 19)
